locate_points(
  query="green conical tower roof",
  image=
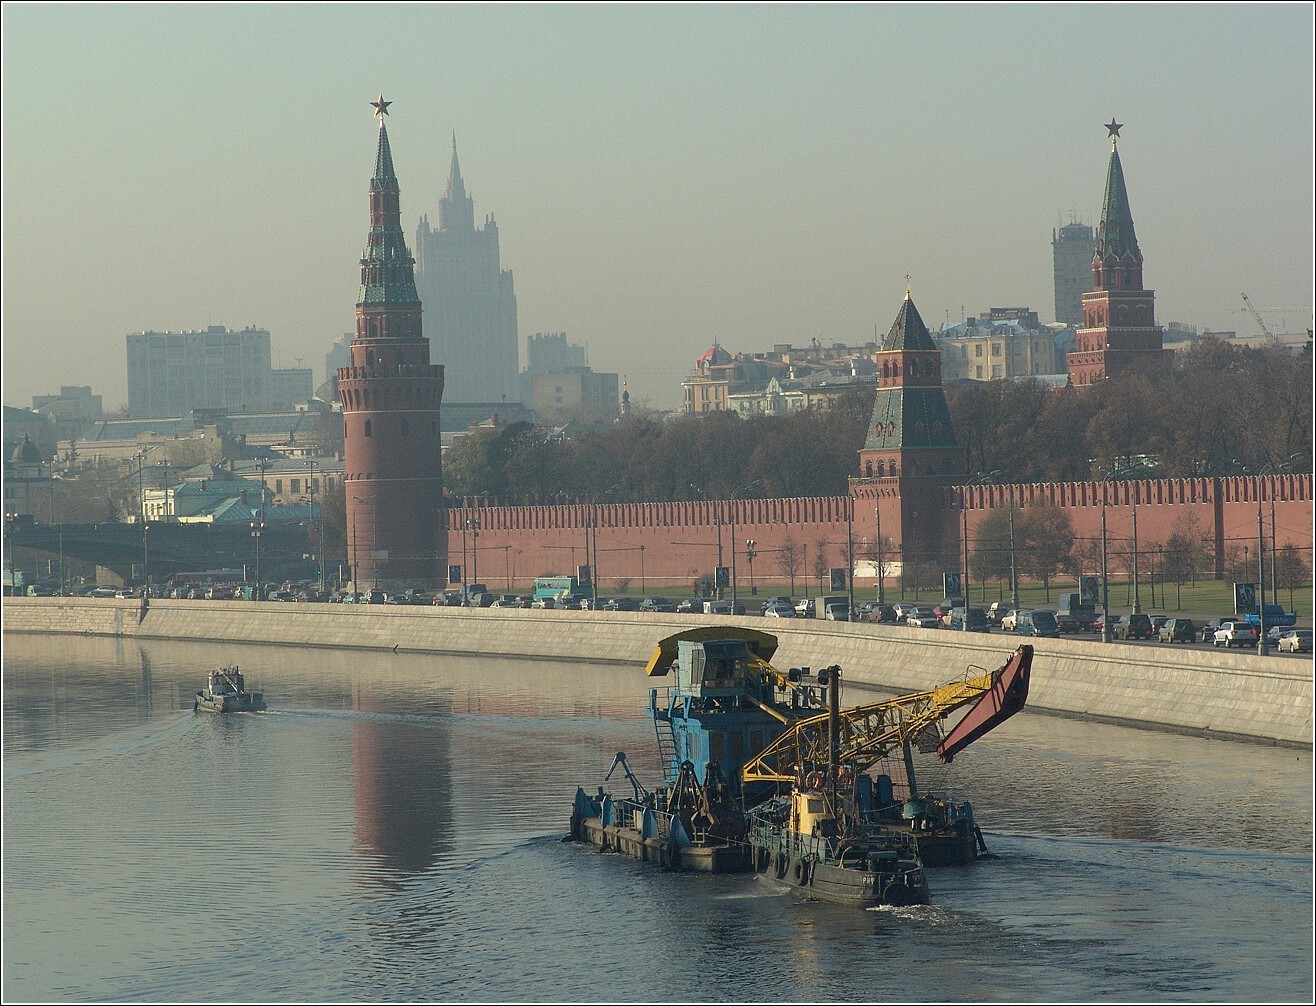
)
(908, 332)
(1115, 238)
(384, 158)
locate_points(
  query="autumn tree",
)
(789, 556)
(990, 556)
(1183, 553)
(1044, 537)
(1291, 570)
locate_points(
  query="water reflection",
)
(402, 790)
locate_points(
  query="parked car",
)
(658, 604)
(1037, 622)
(1067, 624)
(977, 620)
(544, 603)
(943, 609)
(1010, 620)
(621, 604)
(886, 613)
(923, 618)
(806, 608)
(779, 611)
(1208, 630)
(1135, 626)
(903, 610)
(1295, 641)
(773, 602)
(689, 606)
(998, 610)
(1236, 632)
(838, 612)
(1157, 621)
(572, 603)
(1177, 630)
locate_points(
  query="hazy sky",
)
(662, 176)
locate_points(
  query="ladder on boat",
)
(666, 749)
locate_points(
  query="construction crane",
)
(1257, 315)
(860, 737)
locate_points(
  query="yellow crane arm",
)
(867, 733)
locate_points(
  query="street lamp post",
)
(982, 478)
(750, 544)
(1014, 570)
(1112, 474)
(474, 524)
(881, 560)
(734, 495)
(465, 578)
(257, 527)
(1263, 644)
(1137, 600)
(849, 552)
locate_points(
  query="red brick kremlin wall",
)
(668, 543)
(677, 542)
(1223, 509)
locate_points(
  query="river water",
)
(391, 831)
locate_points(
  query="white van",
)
(717, 607)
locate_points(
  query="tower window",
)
(368, 427)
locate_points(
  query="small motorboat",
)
(226, 692)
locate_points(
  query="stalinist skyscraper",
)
(470, 307)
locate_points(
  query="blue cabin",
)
(728, 702)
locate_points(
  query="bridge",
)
(286, 551)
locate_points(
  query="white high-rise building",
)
(172, 373)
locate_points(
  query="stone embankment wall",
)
(1219, 693)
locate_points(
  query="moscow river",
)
(391, 831)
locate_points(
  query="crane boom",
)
(868, 733)
(1257, 315)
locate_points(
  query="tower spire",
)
(456, 208)
(1115, 237)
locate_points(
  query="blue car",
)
(1039, 622)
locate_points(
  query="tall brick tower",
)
(396, 525)
(911, 454)
(1119, 328)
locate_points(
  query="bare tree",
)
(821, 564)
(1291, 570)
(789, 557)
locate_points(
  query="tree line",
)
(1216, 409)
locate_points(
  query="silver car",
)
(1295, 641)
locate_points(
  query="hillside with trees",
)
(1217, 409)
